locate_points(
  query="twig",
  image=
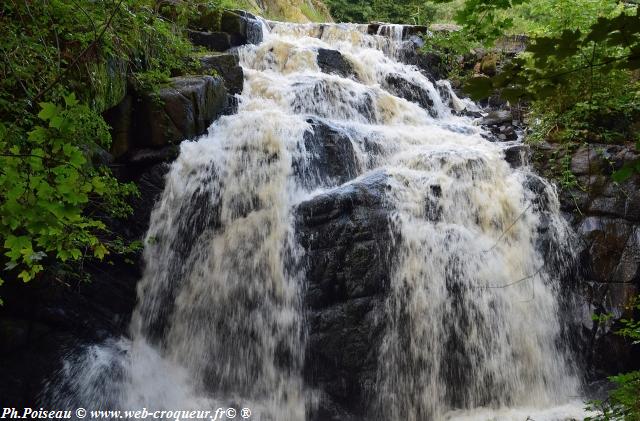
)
(508, 228)
(511, 283)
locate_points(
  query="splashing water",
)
(474, 328)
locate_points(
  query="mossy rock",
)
(489, 65)
(103, 84)
(182, 110)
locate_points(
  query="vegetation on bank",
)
(63, 63)
(579, 75)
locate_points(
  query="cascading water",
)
(474, 328)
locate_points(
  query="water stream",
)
(475, 327)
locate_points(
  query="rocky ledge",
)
(606, 216)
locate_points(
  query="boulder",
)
(182, 110)
(613, 253)
(497, 117)
(331, 61)
(346, 233)
(227, 66)
(517, 155)
(404, 88)
(330, 157)
(120, 121)
(212, 41)
(411, 30)
(372, 28)
(488, 65)
(241, 27)
(444, 27)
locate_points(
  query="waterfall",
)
(474, 324)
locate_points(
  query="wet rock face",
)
(220, 31)
(399, 86)
(606, 217)
(431, 64)
(212, 41)
(331, 61)
(183, 110)
(346, 233)
(517, 155)
(500, 123)
(332, 158)
(227, 66)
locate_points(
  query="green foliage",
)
(551, 17)
(63, 63)
(595, 58)
(414, 12)
(48, 183)
(488, 21)
(576, 73)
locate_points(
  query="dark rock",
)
(233, 23)
(609, 352)
(517, 155)
(181, 111)
(96, 155)
(331, 61)
(346, 233)
(119, 119)
(226, 65)
(497, 117)
(150, 157)
(213, 41)
(410, 30)
(239, 26)
(607, 239)
(342, 357)
(330, 157)
(431, 64)
(399, 86)
(331, 91)
(372, 28)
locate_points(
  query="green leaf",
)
(70, 100)
(48, 111)
(513, 94)
(56, 122)
(479, 87)
(100, 251)
(622, 174)
(38, 134)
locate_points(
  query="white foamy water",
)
(474, 326)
